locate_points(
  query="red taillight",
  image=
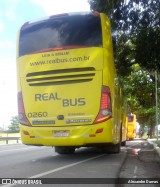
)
(21, 113)
(104, 101)
(105, 111)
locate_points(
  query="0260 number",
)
(37, 114)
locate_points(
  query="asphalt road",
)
(87, 167)
(20, 161)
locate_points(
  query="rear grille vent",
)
(59, 77)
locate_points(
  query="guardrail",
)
(10, 138)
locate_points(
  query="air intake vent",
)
(59, 77)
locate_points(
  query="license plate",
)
(61, 133)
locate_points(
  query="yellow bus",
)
(68, 93)
(124, 121)
(131, 126)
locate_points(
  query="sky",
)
(13, 14)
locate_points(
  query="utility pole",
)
(156, 97)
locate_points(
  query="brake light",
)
(105, 111)
(21, 112)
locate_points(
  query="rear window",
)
(77, 30)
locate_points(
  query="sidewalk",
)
(155, 146)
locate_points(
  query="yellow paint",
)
(131, 127)
(76, 103)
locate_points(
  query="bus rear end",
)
(131, 126)
(66, 82)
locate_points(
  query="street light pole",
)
(156, 97)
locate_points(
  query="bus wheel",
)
(112, 148)
(64, 150)
(116, 148)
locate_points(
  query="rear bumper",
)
(131, 135)
(78, 135)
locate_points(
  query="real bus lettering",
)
(47, 97)
(73, 102)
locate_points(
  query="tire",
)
(64, 150)
(116, 148)
(111, 148)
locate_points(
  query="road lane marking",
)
(135, 171)
(57, 169)
(64, 167)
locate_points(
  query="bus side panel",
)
(110, 78)
(124, 119)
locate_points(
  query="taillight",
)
(21, 112)
(105, 111)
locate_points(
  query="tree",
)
(136, 30)
(14, 127)
(117, 12)
(147, 32)
(137, 21)
(140, 90)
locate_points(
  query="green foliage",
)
(136, 35)
(146, 32)
(123, 55)
(115, 10)
(147, 48)
(118, 13)
(14, 127)
(140, 90)
(136, 32)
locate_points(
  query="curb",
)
(156, 148)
